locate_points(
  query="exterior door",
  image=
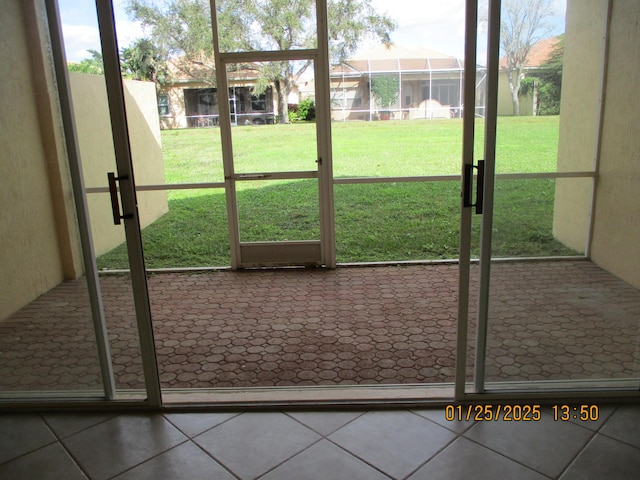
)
(298, 174)
(124, 202)
(558, 319)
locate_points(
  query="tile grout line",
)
(204, 431)
(368, 463)
(149, 459)
(447, 445)
(577, 455)
(322, 437)
(213, 457)
(360, 459)
(59, 440)
(458, 437)
(361, 413)
(326, 437)
(197, 445)
(291, 457)
(507, 457)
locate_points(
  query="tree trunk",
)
(514, 86)
(515, 99)
(283, 105)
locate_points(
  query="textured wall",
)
(29, 248)
(616, 223)
(581, 85)
(96, 147)
(39, 240)
(616, 239)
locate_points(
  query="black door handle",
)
(113, 192)
(480, 187)
(468, 186)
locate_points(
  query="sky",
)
(436, 24)
(80, 27)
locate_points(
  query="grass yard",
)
(374, 222)
(371, 149)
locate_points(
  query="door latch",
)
(468, 186)
(113, 192)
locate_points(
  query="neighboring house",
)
(539, 54)
(429, 85)
(192, 102)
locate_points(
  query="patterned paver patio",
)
(349, 326)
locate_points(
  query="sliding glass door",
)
(547, 288)
(555, 310)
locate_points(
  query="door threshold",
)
(326, 396)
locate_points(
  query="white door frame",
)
(468, 140)
(250, 254)
(127, 189)
(484, 193)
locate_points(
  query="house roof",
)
(395, 58)
(392, 52)
(184, 71)
(539, 53)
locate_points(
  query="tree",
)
(551, 76)
(93, 65)
(547, 82)
(524, 22)
(140, 61)
(385, 89)
(143, 61)
(183, 29)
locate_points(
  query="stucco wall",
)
(581, 84)
(616, 238)
(176, 118)
(39, 240)
(30, 256)
(96, 147)
(616, 224)
(505, 104)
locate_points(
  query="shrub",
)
(302, 112)
(307, 110)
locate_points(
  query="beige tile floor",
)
(349, 326)
(309, 445)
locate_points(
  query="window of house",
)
(259, 103)
(163, 105)
(426, 92)
(337, 98)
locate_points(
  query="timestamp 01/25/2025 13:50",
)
(521, 413)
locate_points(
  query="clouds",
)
(427, 23)
(80, 27)
(440, 25)
(78, 39)
(435, 24)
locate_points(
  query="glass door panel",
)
(561, 321)
(53, 341)
(48, 343)
(91, 108)
(114, 175)
(554, 312)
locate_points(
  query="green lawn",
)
(374, 222)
